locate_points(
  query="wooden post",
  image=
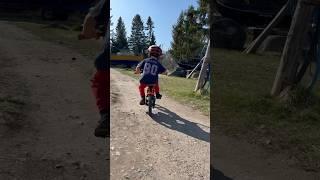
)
(203, 71)
(256, 43)
(194, 69)
(292, 52)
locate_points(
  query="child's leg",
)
(157, 88)
(100, 89)
(141, 89)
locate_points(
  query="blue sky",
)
(164, 14)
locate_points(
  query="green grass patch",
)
(180, 89)
(242, 107)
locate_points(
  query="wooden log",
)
(275, 21)
(312, 2)
(292, 52)
(203, 71)
(194, 69)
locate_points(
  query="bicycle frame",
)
(151, 99)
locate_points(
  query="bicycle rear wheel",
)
(150, 104)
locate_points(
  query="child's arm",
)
(165, 72)
(139, 67)
(88, 30)
(90, 22)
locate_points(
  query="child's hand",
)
(165, 73)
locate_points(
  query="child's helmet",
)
(155, 50)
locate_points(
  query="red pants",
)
(100, 88)
(143, 86)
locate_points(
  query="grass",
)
(180, 89)
(63, 34)
(242, 107)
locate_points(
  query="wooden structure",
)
(127, 60)
(257, 42)
(205, 65)
(292, 56)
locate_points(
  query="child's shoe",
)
(142, 101)
(158, 96)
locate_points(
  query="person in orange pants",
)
(150, 68)
(96, 24)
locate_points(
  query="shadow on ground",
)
(173, 121)
(218, 175)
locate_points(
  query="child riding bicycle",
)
(150, 68)
(96, 24)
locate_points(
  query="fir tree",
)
(137, 40)
(121, 41)
(151, 39)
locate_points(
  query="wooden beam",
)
(275, 21)
(204, 67)
(312, 2)
(194, 69)
(292, 52)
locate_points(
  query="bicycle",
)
(151, 98)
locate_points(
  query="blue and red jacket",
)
(151, 69)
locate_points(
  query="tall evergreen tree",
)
(178, 36)
(121, 41)
(188, 36)
(151, 39)
(137, 40)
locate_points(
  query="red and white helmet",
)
(154, 50)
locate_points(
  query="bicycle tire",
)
(150, 104)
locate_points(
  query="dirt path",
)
(174, 144)
(47, 112)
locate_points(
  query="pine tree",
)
(151, 39)
(188, 36)
(121, 41)
(114, 46)
(178, 36)
(137, 40)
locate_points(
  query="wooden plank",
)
(275, 21)
(292, 52)
(312, 2)
(194, 69)
(204, 67)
